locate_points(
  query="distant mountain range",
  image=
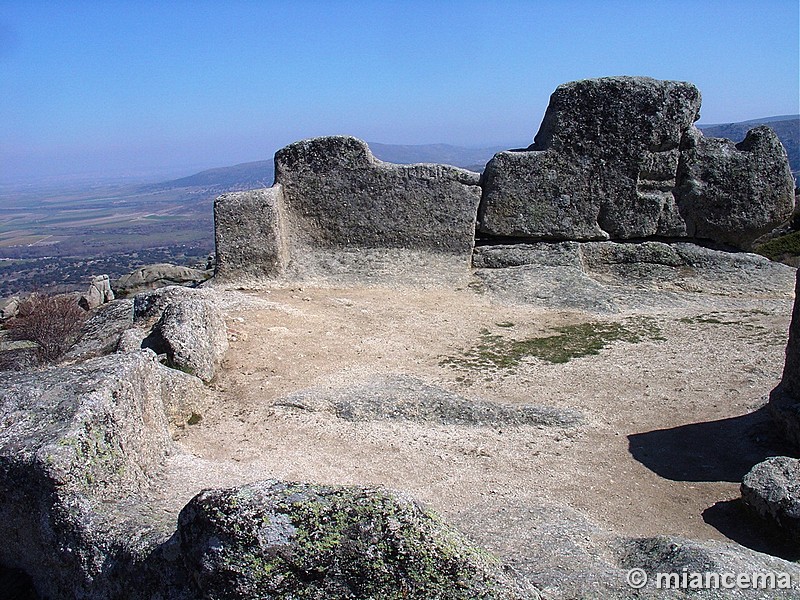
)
(262, 173)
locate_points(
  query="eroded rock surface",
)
(151, 277)
(607, 277)
(338, 194)
(99, 292)
(250, 232)
(282, 540)
(78, 448)
(331, 195)
(734, 193)
(603, 164)
(772, 490)
(405, 398)
(618, 158)
(193, 335)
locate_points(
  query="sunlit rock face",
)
(619, 158)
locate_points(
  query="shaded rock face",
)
(73, 440)
(784, 401)
(156, 276)
(276, 539)
(772, 490)
(619, 158)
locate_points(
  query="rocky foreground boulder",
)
(619, 158)
(772, 490)
(287, 540)
(99, 293)
(80, 449)
(152, 277)
(183, 325)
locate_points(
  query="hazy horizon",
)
(150, 90)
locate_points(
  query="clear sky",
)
(170, 87)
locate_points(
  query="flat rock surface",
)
(670, 394)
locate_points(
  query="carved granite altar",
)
(619, 158)
(331, 194)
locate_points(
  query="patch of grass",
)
(194, 419)
(780, 246)
(495, 352)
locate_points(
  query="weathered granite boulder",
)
(103, 330)
(772, 490)
(250, 234)
(192, 333)
(152, 277)
(618, 158)
(78, 446)
(784, 401)
(99, 292)
(734, 193)
(149, 306)
(603, 164)
(290, 540)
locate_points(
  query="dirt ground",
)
(672, 421)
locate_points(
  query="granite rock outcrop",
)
(619, 158)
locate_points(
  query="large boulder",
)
(99, 293)
(335, 209)
(290, 540)
(602, 166)
(784, 401)
(151, 277)
(78, 446)
(339, 195)
(187, 327)
(619, 158)
(772, 490)
(734, 193)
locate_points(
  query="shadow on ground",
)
(732, 519)
(723, 450)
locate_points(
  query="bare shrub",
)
(53, 323)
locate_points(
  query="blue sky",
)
(151, 88)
